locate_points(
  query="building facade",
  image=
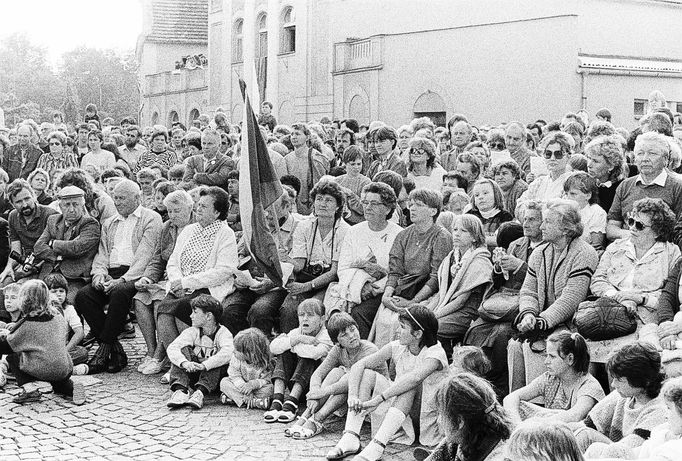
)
(392, 60)
(171, 53)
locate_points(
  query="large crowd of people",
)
(492, 292)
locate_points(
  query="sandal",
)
(289, 431)
(288, 413)
(306, 433)
(364, 458)
(271, 416)
(339, 453)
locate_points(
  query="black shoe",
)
(26, 397)
(89, 339)
(128, 331)
(119, 359)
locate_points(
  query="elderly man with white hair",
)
(126, 247)
(211, 167)
(69, 242)
(652, 154)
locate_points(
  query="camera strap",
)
(310, 253)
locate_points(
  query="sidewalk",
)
(126, 418)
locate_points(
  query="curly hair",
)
(468, 402)
(79, 178)
(332, 189)
(388, 197)
(428, 146)
(611, 149)
(558, 137)
(510, 165)
(640, 364)
(599, 128)
(662, 218)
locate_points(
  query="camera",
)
(317, 268)
(498, 253)
(29, 263)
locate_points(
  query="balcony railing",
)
(176, 81)
(354, 55)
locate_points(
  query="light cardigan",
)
(220, 267)
(145, 236)
(557, 282)
(213, 352)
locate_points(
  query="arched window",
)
(173, 117)
(288, 38)
(262, 36)
(193, 115)
(238, 41)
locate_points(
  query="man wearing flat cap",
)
(70, 240)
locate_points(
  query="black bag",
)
(604, 318)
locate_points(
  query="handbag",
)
(604, 318)
(409, 285)
(501, 306)
(311, 271)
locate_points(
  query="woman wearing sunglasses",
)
(633, 271)
(422, 166)
(556, 148)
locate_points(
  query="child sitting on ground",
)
(36, 348)
(200, 355)
(298, 354)
(329, 383)
(58, 287)
(250, 371)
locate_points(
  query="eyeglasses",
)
(418, 150)
(638, 225)
(498, 146)
(55, 144)
(558, 154)
(368, 204)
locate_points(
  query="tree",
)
(103, 78)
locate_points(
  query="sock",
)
(277, 401)
(178, 387)
(201, 388)
(290, 404)
(392, 421)
(349, 442)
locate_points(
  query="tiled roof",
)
(179, 21)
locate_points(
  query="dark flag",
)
(259, 188)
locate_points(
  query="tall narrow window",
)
(262, 36)
(238, 42)
(288, 39)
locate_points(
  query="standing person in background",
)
(515, 141)
(158, 155)
(132, 149)
(265, 118)
(307, 164)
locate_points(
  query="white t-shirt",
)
(72, 319)
(434, 181)
(593, 218)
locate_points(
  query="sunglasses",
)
(55, 144)
(558, 154)
(638, 225)
(499, 146)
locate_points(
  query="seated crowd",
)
(493, 292)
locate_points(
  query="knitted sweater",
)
(557, 282)
(39, 342)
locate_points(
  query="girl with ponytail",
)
(474, 424)
(567, 390)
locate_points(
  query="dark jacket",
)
(214, 175)
(13, 163)
(72, 248)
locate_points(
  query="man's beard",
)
(131, 144)
(27, 211)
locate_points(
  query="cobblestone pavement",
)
(126, 417)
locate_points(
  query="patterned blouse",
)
(51, 164)
(166, 159)
(198, 248)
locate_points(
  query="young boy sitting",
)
(200, 355)
(13, 308)
(58, 287)
(298, 353)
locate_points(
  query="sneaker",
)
(225, 400)
(82, 369)
(79, 396)
(178, 399)
(165, 379)
(143, 364)
(261, 404)
(128, 331)
(26, 397)
(154, 366)
(196, 401)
